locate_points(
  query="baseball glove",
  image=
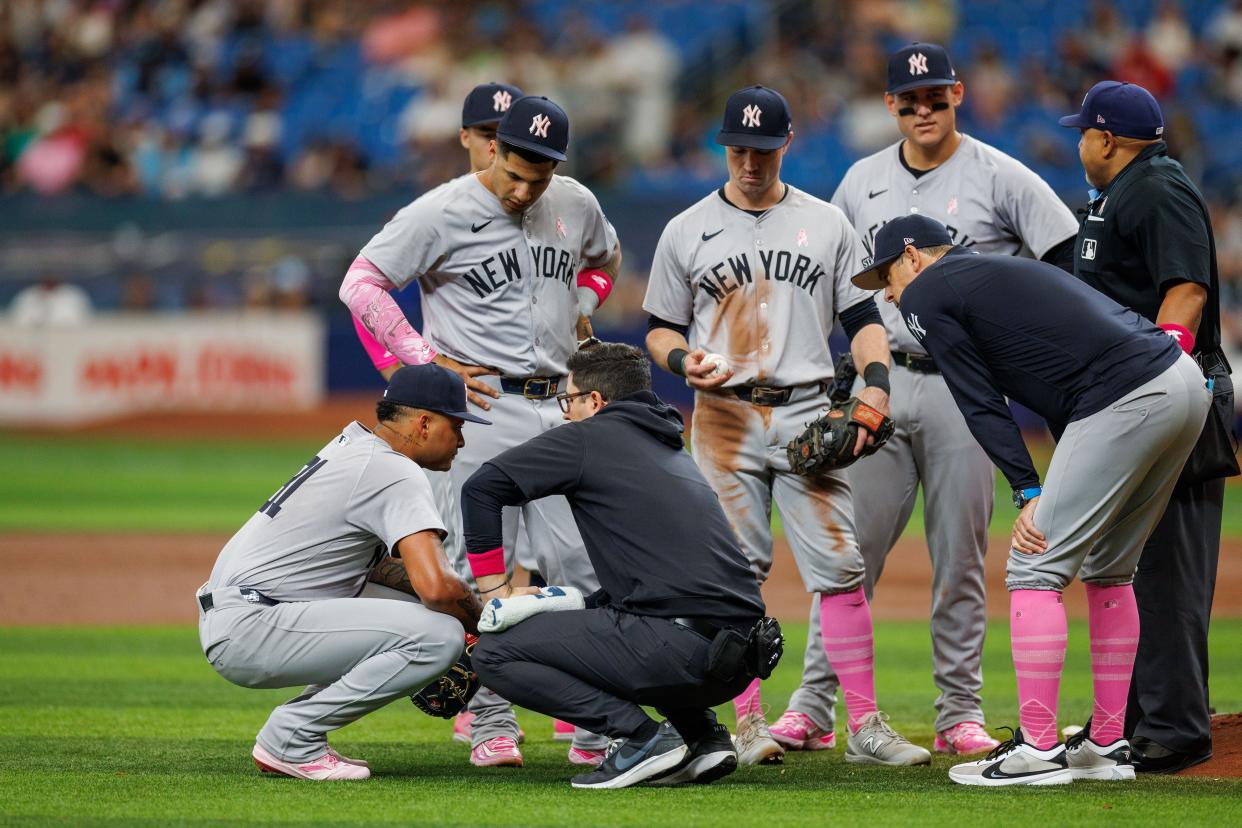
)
(828, 443)
(448, 695)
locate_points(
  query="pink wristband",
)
(380, 356)
(598, 281)
(1184, 338)
(487, 563)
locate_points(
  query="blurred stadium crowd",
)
(183, 100)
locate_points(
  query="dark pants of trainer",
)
(1174, 585)
(594, 667)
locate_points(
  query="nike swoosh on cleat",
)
(624, 763)
(474, 228)
(709, 237)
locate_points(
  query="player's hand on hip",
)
(468, 374)
(877, 399)
(583, 329)
(704, 377)
(1026, 538)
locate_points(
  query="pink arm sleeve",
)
(365, 293)
(381, 358)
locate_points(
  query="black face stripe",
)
(936, 106)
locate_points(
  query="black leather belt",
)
(915, 362)
(770, 395)
(252, 595)
(704, 628)
(532, 388)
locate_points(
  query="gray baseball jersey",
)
(497, 289)
(987, 199)
(319, 535)
(762, 291)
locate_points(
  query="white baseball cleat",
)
(1089, 760)
(1016, 763)
(876, 743)
(325, 768)
(755, 745)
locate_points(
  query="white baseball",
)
(721, 365)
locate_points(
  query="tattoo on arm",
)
(391, 573)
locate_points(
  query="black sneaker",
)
(708, 759)
(627, 763)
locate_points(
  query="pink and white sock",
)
(1113, 620)
(845, 622)
(1037, 633)
(748, 701)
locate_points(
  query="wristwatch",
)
(1021, 497)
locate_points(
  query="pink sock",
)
(845, 621)
(1037, 633)
(748, 701)
(1114, 624)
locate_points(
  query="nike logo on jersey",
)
(707, 237)
(877, 193)
(474, 228)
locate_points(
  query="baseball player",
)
(280, 608)
(1128, 406)
(755, 273)
(990, 203)
(480, 113)
(499, 257)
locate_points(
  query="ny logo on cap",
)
(501, 101)
(750, 116)
(918, 64)
(539, 125)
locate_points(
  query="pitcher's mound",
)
(1226, 749)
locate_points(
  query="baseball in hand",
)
(719, 363)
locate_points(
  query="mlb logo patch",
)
(1088, 249)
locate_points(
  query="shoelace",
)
(1075, 741)
(503, 743)
(1015, 739)
(880, 721)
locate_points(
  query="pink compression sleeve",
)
(365, 292)
(380, 356)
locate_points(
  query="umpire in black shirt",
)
(673, 580)
(1146, 242)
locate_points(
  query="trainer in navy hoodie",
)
(652, 525)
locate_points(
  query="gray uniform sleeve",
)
(409, 244)
(393, 509)
(843, 197)
(668, 287)
(850, 253)
(599, 238)
(1028, 207)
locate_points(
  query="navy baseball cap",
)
(919, 65)
(430, 387)
(755, 117)
(1120, 108)
(537, 124)
(488, 102)
(891, 241)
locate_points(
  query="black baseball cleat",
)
(1153, 757)
(708, 759)
(627, 763)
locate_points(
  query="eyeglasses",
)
(564, 397)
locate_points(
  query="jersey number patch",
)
(271, 507)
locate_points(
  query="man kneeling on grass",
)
(289, 602)
(675, 584)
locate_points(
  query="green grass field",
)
(131, 727)
(80, 483)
